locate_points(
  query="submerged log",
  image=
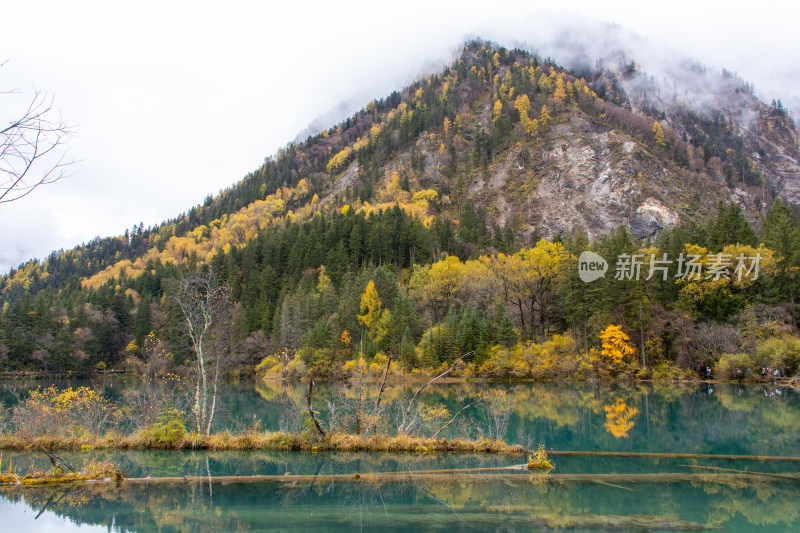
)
(654, 455)
(470, 476)
(718, 469)
(457, 476)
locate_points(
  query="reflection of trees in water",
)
(760, 504)
(246, 463)
(680, 418)
(701, 417)
(415, 505)
(619, 418)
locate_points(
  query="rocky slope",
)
(535, 150)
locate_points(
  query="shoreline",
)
(268, 441)
(404, 378)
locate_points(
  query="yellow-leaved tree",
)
(438, 286)
(659, 135)
(560, 94)
(374, 317)
(616, 345)
(544, 116)
(542, 272)
(497, 110)
(523, 105)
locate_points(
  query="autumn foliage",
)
(387, 231)
(616, 345)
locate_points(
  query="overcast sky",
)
(172, 101)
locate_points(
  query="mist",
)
(171, 108)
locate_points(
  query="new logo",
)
(591, 266)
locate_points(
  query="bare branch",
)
(32, 149)
(57, 461)
(383, 384)
(403, 428)
(454, 417)
(376, 411)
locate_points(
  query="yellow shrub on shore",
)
(554, 358)
(78, 412)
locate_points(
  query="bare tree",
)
(407, 422)
(32, 148)
(206, 307)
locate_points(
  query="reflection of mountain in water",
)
(698, 418)
(765, 505)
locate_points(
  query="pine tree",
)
(408, 356)
(142, 324)
(506, 334)
(781, 233)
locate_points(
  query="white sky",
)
(172, 101)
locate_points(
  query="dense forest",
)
(370, 241)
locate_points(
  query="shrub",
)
(268, 366)
(322, 364)
(282, 364)
(500, 363)
(781, 355)
(169, 429)
(79, 412)
(496, 406)
(735, 366)
(670, 372)
(378, 365)
(551, 359)
(538, 460)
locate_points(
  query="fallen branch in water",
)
(718, 469)
(607, 484)
(57, 461)
(311, 409)
(500, 475)
(272, 441)
(654, 455)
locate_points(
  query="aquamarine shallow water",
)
(642, 417)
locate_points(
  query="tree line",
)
(347, 286)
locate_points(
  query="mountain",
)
(492, 154)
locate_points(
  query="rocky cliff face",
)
(705, 107)
(591, 177)
(587, 172)
(580, 174)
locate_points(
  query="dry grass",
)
(269, 441)
(91, 471)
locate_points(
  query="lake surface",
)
(701, 418)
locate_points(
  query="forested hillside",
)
(448, 218)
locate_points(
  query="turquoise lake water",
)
(697, 418)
